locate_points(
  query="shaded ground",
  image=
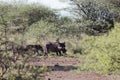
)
(63, 68)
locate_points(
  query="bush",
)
(40, 30)
(103, 51)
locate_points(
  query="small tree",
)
(9, 60)
(3, 58)
(38, 13)
(100, 18)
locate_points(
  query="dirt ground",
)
(64, 68)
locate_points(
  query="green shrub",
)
(40, 31)
(103, 51)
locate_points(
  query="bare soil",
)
(64, 68)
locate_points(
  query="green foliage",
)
(37, 13)
(103, 51)
(26, 14)
(28, 72)
(98, 17)
(15, 21)
(40, 30)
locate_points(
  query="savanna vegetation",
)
(93, 32)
